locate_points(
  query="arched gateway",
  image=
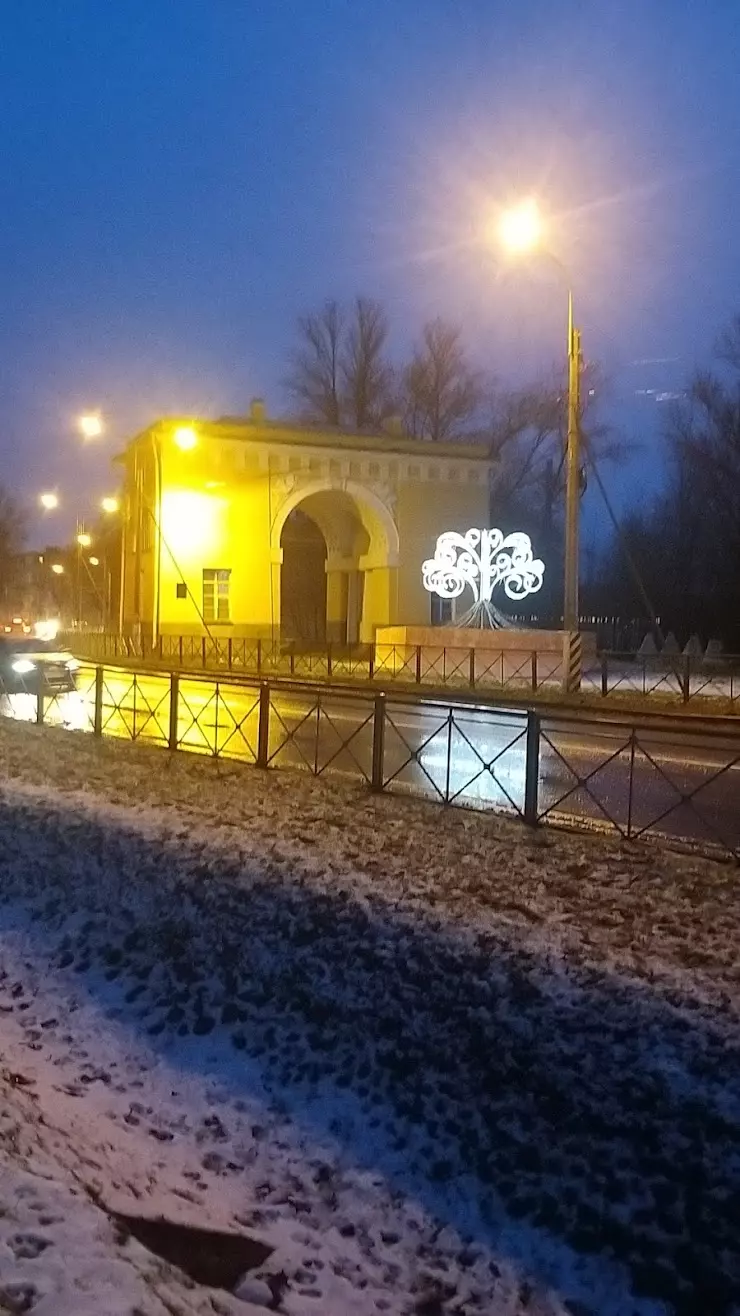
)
(261, 529)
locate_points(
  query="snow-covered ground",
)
(440, 1064)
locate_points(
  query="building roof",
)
(247, 429)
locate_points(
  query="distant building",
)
(249, 527)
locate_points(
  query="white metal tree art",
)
(483, 559)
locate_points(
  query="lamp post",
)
(521, 232)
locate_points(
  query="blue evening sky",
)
(181, 178)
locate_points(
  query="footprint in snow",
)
(27, 1247)
(17, 1298)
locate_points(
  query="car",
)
(28, 665)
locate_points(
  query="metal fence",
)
(677, 781)
(678, 680)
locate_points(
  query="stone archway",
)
(359, 539)
(303, 581)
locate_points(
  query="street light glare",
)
(57, 568)
(84, 539)
(109, 505)
(49, 501)
(520, 229)
(94, 561)
(185, 437)
(91, 425)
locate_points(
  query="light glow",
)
(185, 437)
(483, 559)
(49, 501)
(520, 229)
(47, 629)
(109, 505)
(94, 561)
(83, 539)
(23, 666)
(91, 425)
(57, 568)
(192, 524)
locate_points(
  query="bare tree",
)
(687, 542)
(728, 347)
(314, 378)
(527, 434)
(339, 373)
(366, 375)
(441, 393)
(12, 535)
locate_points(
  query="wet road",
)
(677, 782)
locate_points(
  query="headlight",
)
(23, 665)
(72, 664)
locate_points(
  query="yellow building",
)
(264, 529)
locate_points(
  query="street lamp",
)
(521, 230)
(185, 437)
(84, 539)
(57, 568)
(49, 501)
(110, 505)
(90, 425)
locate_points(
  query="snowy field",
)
(439, 1064)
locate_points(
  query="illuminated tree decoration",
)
(483, 559)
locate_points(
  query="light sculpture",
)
(483, 559)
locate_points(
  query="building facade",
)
(252, 528)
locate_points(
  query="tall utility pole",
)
(573, 476)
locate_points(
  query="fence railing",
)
(678, 679)
(678, 782)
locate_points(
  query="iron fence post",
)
(203, 650)
(686, 678)
(450, 725)
(376, 782)
(328, 660)
(471, 668)
(292, 657)
(418, 664)
(630, 791)
(604, 674)
(174, 710)
(263, 731)
(40, 704)
(259, 656)
(371, 663)
(533, 670)
(230, 651)
(179, 649)
(98, 707)
(532, 769)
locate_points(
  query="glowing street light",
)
(84, 539)
(49, 501)
(90, 425)
(57, 568)
(94, 561)
(185, 437)
(110, 505)
(521, 230)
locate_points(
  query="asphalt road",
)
(684, 783)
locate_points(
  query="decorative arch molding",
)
(373, 512)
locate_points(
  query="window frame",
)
(216, 595)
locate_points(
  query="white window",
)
(216, 594)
